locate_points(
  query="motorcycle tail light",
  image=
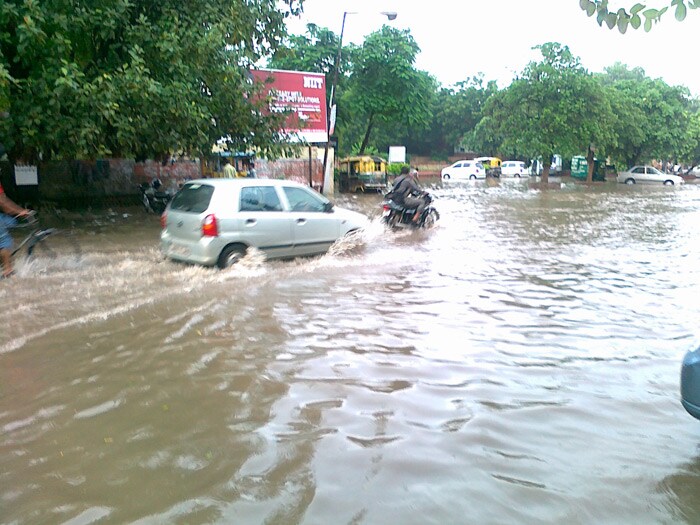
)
(209, 226)
(386, 207)
(163, 220)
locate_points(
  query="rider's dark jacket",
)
(404, 186)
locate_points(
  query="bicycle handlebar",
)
(29, 218)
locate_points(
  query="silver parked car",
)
(214, 221)
(648, 175)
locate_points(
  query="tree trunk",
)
(545, 173)
(365, 141)
(590, 159)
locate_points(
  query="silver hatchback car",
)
(214, 221)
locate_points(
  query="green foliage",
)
(456, 113)
(315, 51)
(357, 150)
(556, 106)
(385, 87)
(654, 116)
(134, 77)
(395, 168)
(637, 15)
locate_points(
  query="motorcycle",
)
(397, 216)
(153, 199)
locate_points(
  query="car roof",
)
(244, 181)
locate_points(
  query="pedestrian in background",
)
(229, 170)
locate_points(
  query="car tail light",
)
(209, 226)
(163, 219)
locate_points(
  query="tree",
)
(456, 112)
(653, 120)
(385, 87)
(690, 153)
(134, 77)
(623, 18)
(556, 106)
(315, 52)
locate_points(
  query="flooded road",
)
(519, 363)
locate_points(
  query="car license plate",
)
(179, 250)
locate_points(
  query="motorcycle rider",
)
(407, 193)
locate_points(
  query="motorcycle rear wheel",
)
(392, 220)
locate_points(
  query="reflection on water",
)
(517, 364)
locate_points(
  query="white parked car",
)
(215, 221)
(648, 175)
(514, 168)
(464, 170)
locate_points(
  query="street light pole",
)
(331, 120)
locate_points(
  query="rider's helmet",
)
(156, 183)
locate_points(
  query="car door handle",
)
(301, 221)
(251, 221)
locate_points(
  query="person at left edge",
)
(8, 211)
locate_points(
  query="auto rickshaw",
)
(579, 169)
(492, 165)
(362, 173)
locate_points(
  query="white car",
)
(214, 221)
(464, 170)
(514, 168)
(648, 175)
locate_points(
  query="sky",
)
(461, 38)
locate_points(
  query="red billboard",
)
(304, 95)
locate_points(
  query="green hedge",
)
(395, 168)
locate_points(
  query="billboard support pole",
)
(332, 95)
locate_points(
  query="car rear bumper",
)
(205, 251)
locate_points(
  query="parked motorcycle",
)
(397, 216)
(154, 199)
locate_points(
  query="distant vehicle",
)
(214, 221)
(362, 173)
(555, 166)
(464, 170)
(492, 165)
(579, 169)
(153, 198)
(648, 175)
(514, 168)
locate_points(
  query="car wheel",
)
(517, 175)
(630, 181)
(668, 183)
(231, 255)
(472, 177)
(446, 176)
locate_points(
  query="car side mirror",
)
(328, 207)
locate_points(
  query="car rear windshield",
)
(193, 198)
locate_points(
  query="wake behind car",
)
(648, 175)
(214, 221)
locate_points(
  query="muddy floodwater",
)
(519, 363)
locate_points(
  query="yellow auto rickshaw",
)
(362, 173)
(492, 165)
